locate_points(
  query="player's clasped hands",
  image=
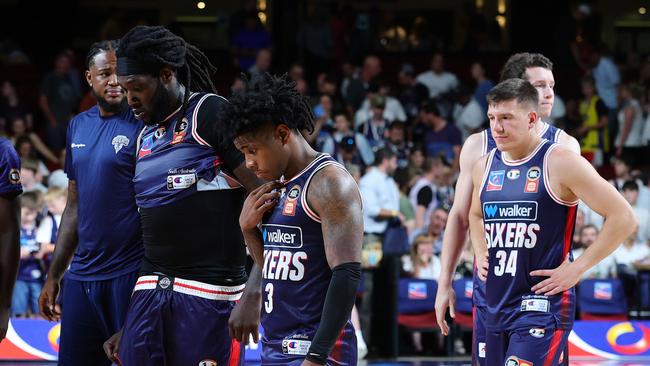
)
(257, 203)
(559, 279)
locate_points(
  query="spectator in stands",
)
(18, 128)
(25, 149)
(321, 138)
(30, 273)
(423, 193)
(631, 194)
(356, 89)
(467, 113)
(396, 140)
(393, 111)
(262, 64)
(630, 252)
(436, 228)
(375, 129)
(345, 141)
(12, 108)
(55, 200)
(59, 99)
(437, 80)
(441, 137)
(593, 132)
(29, 177)
(403, 179)
(629, 142)
(605, 268)
(416, 162)
(483, 85)
(411, 93)
(248, 40)
(607, 78)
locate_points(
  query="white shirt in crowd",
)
(602, 270)
(430, 272)
(626, 256)
(378, 191)
(438, 83)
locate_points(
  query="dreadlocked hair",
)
(99, 47)
(157, 46)
(267, 100)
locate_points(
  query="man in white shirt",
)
(630, 191)
(437, 79)
(603, 269)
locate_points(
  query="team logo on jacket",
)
(14, 176)
(119, 142)
(495, 180)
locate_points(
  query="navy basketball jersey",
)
(527, 227)
(296, 276)
(548, 132)
(9, 170)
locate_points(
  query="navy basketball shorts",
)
(479, 333)
(92, 312)
(291, 351)
(172, 321)
(527, 347)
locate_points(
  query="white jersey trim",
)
(547, 183)
(525, 159)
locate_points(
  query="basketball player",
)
(100, 163)
(537, 69)
(189, 197)
(10, 189)
(311, 228)
(523, 210)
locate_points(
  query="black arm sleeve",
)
(336, 311)
(210, 129)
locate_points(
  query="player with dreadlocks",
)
(188, 187)
(311, 228)
(100, 164)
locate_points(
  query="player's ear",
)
(282, 133)
(89, 78)
(532, 119)
(166, 74)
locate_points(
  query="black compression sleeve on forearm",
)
(336, 311)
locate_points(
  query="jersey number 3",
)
(268, 303)
(507, 263)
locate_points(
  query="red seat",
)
(424, 321)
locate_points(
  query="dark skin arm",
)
(245, 317)
(334, 196)
(9, 256)
(66, 244)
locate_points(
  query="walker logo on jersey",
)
(417, 291)
(515, 361)
(208, 363)
(14, 176)
(180, 131)
(180, 181)
(495, 180)
(513, 174)
(119, 142)
(145, 149)
(532, 179)
(291, 346)
(603, 290)
(282, 236)
(537, 332)
(509, 211)
(290, 203)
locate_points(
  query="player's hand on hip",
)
(244, 319)
(260, 200)
(47, 305)
(445, 298)
(559, 279)
(4, 323)
(112, 346)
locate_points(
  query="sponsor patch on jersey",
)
(119, 142)
(516, 361)
(282, 236)
(495, 180)
(164, 282)
(145, 148)
(291, 201)
(509, 211)
(180, 131)
(481, 349)
(537, 332)
(293, 346)
(14, 176)
(180, 181)
(532, 179)
(540, 305)
(160, 132)
(513, 174)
